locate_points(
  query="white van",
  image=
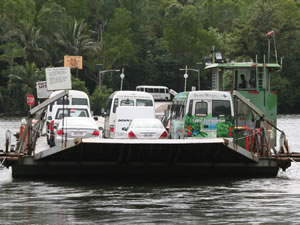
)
(124, 115)
(75, 98)
(202, 114)
(161, 93)
(123, 99)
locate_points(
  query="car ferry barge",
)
(247, 150)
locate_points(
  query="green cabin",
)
(253, 99)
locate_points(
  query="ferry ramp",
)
(159, 158)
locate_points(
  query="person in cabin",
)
(243, 82)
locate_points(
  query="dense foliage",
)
(150, 39)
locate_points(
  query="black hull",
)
(158, 159)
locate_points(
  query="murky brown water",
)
(222, 201)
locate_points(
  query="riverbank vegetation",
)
(150, 39)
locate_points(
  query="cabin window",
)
(144, 102)
(63, 101)
(51, 106)
(182, 110)
(190, 112)
(243, 84)
(221, 108)
(260, 78)
(176, 110)
(79, 101)
(108, 107)
(228, 80)
(127, 102)
(116, 102)
(252, 80)
(201, 109)
(71, 113)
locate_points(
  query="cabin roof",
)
(241, 65)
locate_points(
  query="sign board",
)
(30, 100)
(73, 61)
(58, 78)
(41, 89)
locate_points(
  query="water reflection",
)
(210, 202)
(221, 201)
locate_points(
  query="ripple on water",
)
(243, 201)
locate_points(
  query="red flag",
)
(270, 33)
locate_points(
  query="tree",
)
(22, 81)
(99, 99)
(75, 38)
(187, 41)
(118, 40)
(11, 51)
(281, 16)
(18, 12)
(77, 9)
(219, 14)
(30, 39)
(51, 18)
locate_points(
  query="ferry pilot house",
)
(241, 80)
(251, 81)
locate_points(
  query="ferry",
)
(238, 141)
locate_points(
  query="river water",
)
(221, 201)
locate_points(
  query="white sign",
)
(41, 89)
(58, 78)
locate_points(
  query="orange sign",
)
(73, 61)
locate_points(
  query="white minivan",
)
(123, 99)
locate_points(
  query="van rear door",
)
(125, 114)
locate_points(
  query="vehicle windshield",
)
(63, 101)
(201, 109)
(79, 101)
(73, 112)
(127, 102)
(221, 108)
(147, 124)
(144, 102)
